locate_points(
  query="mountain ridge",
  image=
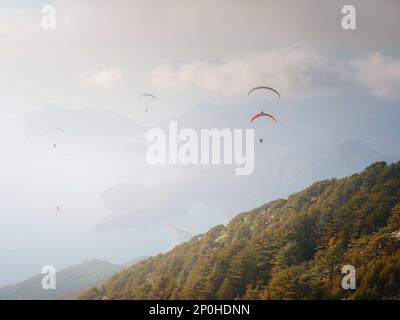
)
(69, 281)
(290, 248)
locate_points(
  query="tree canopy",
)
(291, 248)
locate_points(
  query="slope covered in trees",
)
(291, 248)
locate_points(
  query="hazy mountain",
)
(69, 281)
(313, 139)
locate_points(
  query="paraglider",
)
(264, 88)
(58, 209)
(148, 97)
(262, 114)
(55, 131)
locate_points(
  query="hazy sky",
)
(200, 58)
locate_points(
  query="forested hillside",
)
(291, 248)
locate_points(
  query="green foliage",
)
(286, 249)
(296, 282)
(381, 279)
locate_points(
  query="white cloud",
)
(293, 71)
(289, 69)
(380, 75)
(104, 79)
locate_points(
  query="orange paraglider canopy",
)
(262, 114)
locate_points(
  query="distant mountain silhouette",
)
(69, 281)
(353, 148)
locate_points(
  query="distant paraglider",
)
(263, 88)
(147, 97)
(54, 132)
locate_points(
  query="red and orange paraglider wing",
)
(262, 115)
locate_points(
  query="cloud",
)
(294, 71)
(104, 79)
(284, 68)
(380, 75)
